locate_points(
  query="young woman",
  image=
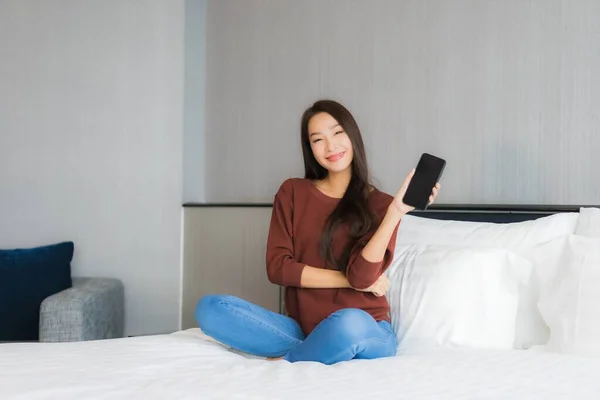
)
(331, 238)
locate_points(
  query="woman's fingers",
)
(381, 286)
(408, 179)
(434, 193)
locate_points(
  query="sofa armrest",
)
(93, 308)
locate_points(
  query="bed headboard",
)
(493, 213)
(229, 257)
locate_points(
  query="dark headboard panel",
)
(460, 212)
(492, 213)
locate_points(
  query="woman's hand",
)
(379, 288)
(399, 206)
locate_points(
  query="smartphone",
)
(427, 174)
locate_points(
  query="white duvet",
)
(185, 365)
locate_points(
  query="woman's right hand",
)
(398, 203)
(379, 288)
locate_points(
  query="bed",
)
(189, 365)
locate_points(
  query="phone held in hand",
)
(427, 174)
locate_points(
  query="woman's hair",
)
(353, 208)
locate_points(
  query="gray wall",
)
(195, 98)
(507, 91)
(91, 110)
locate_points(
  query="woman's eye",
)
(316, 140)
(339, 132)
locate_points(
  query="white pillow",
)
(516, 235)
(589, 222)
(570, 299)
(455, 296)
(527, 239)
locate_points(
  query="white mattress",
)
(186, 365)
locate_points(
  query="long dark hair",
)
(353, 208)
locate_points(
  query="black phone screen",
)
(427, 174)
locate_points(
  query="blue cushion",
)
(27, 277)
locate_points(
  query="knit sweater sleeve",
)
(282, 268)
(362, 273)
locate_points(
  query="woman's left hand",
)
(398, 203)
(379, 288)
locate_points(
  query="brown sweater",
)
(299, 213)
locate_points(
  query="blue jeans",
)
(346, 334)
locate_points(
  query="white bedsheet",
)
(186, 365)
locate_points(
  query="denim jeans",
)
(346, 334)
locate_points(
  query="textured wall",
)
(507, 91)
(91, 109)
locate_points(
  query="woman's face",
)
(330, 144)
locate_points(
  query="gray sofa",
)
(90, 310)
